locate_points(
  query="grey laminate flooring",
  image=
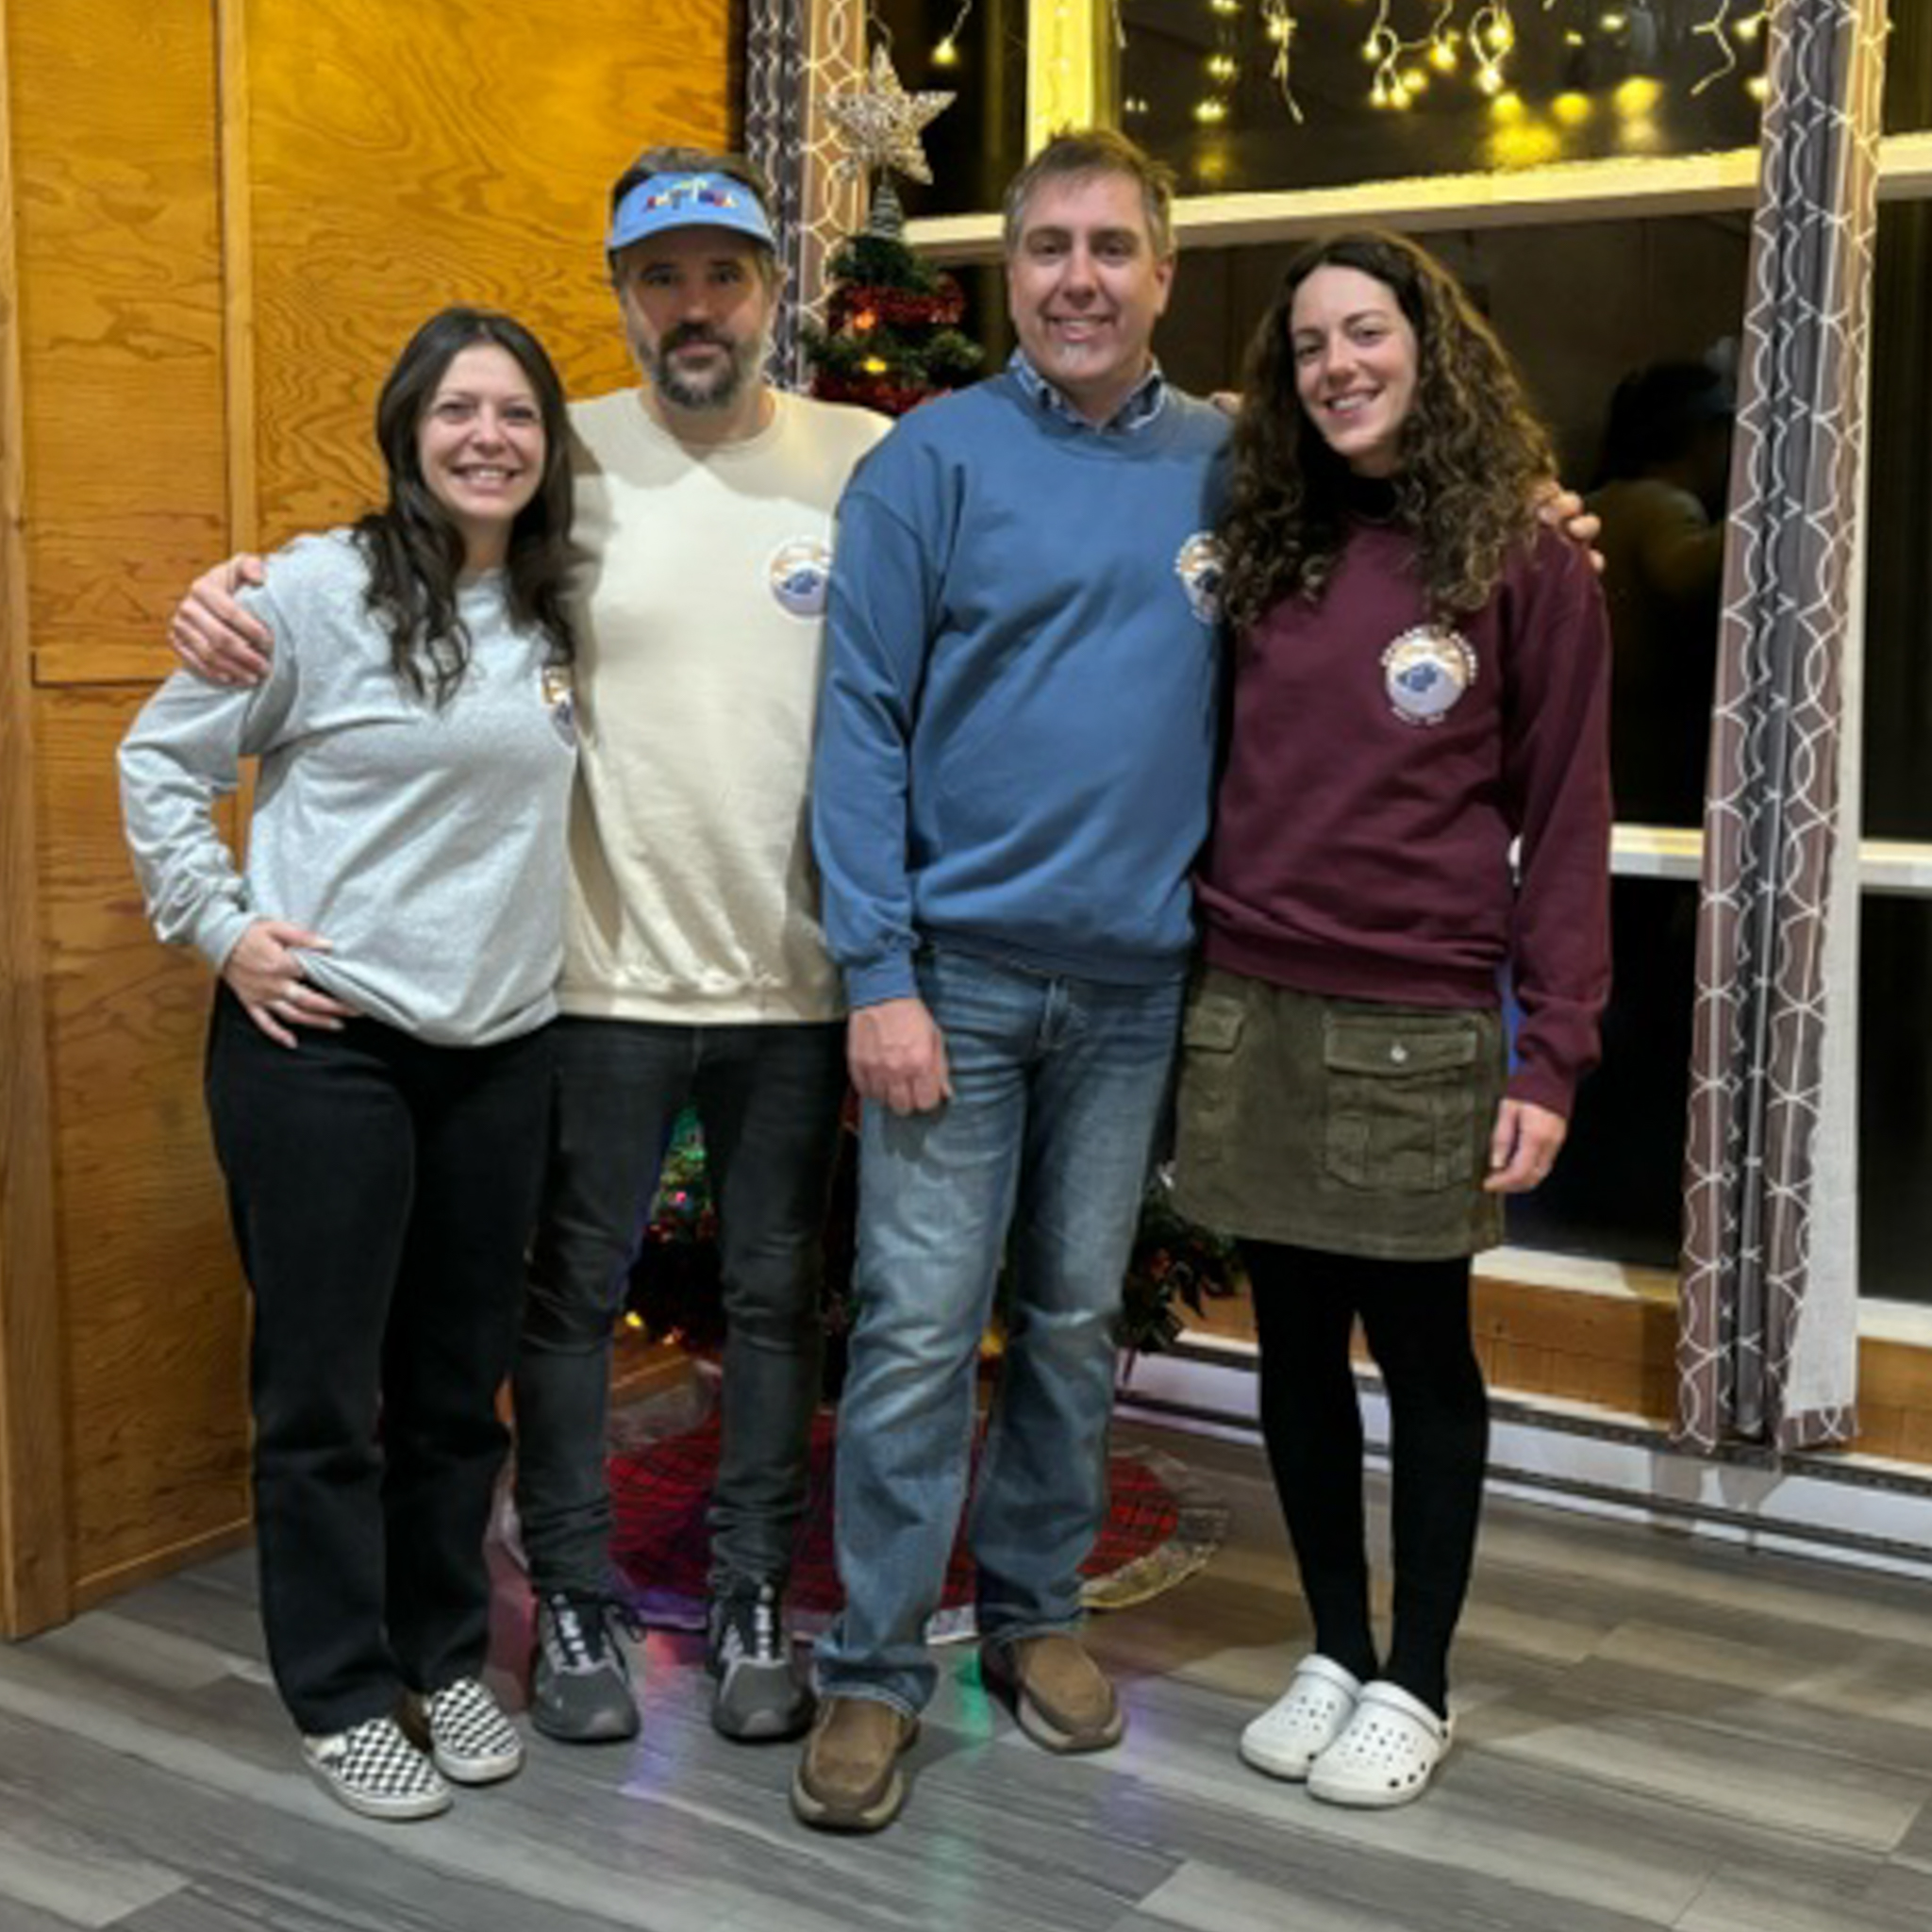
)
(1650, 1733)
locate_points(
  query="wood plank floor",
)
(1650, 1733)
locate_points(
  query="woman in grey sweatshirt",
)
(378, 1067)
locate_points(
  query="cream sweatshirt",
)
(692, 899)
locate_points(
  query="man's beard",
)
(720, 387)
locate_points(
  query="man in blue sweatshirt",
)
(1016, 741)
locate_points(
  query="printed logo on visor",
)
(695, 194)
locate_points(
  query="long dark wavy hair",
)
(414, 549)
(1471, 459)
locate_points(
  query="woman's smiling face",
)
(1355, 365)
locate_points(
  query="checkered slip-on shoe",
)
(470, 1741)
(375, 1770)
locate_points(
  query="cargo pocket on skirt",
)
(1400, 1101)
(1209, 1099)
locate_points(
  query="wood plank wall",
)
(221, 218)
(33, 1523)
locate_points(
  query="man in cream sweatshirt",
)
(695, 969)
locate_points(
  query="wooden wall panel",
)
(113, 111)
(405, 158)
(157, 1431)
(118, 214)
(33, 1466)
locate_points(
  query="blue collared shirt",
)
(1140, 408)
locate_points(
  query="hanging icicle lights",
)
(1726, 28)
(1410, 43)
(946, 51)
(1402, 64)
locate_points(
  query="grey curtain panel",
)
(1767, 1335)
(796, 53)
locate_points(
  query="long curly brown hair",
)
(1470, 463)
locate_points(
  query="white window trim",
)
(1615, 190)
(1898, 868)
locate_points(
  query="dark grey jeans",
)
(768, 1099)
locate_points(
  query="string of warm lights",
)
(946, 53)
(1224, 67)
(1384, 50)
(1724, 33)
(1278, 22)
(1410, 43)
(1491, 40)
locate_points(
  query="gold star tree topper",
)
(881, 122)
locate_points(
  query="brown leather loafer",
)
(1060, 1694)
(848, 1778)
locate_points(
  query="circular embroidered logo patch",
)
(1425, 671)
(1200, 563)
(560, 700)
(799, 572)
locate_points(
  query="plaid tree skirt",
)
(1161, 1526)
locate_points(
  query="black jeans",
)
(767, 1099)
(382, 1191)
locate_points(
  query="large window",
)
(1592, 181)
(1244, 94)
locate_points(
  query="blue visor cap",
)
(687, 201)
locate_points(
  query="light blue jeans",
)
(1042, 1155)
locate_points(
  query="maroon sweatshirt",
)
(1379, 768)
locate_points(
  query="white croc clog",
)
(1304, 1721)
(1386, 1756)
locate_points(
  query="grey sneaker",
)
(375, 1770)
(579, 1681)
(748, 1650)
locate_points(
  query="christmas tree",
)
(892, 334)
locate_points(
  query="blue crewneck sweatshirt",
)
(1017, 733)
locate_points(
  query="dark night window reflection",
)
(1617, 1188)
(1393, 88)
(1895, 1099)
(1661, 492)
(1898, 597)
(1908, 69)
(977, 142)
(1615, 1193)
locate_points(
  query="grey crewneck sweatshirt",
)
(426, 845)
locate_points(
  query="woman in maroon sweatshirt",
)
(1415, 812)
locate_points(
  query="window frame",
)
(1066, 80)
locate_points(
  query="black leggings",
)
(1415, 1317)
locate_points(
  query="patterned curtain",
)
(796, 53)
(1768, 1324)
